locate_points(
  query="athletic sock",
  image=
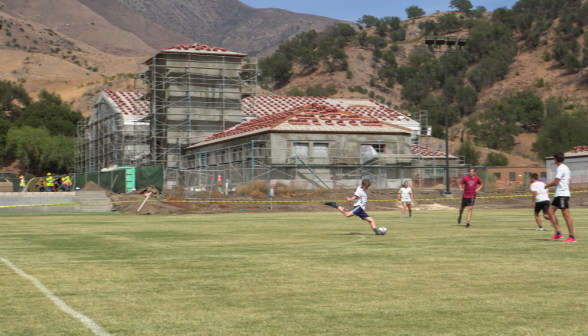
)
(572, 236)
(377, 231)
(558, 233)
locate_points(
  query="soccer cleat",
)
(570, 240)
(333, 204)
(539, 229)
(410, 216)
(401, 217)
(556, 237)
(468, 224)
(377, 232)
(459, 220)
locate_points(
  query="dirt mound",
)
(130, 203)
(91, 186)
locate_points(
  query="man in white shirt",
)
(562, 197)
(359, 206)
(540, 199)
(405, 196)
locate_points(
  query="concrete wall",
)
(70, 202)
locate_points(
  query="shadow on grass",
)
(353, 234)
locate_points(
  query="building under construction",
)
(116, 134)
(192, 91)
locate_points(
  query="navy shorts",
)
(466, 202)
(561, 202)
(542, 206)
(358, 211)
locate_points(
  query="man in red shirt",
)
(469, 187)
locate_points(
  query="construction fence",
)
(122, 181)
(202, 183)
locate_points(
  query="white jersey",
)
(542, 195)
(405, 194)
(361, 197)
(563, 187)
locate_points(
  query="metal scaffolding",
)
(111, 137)
(191, 94)
(194, 95)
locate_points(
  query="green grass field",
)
(294, 274)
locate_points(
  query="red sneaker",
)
(570, 240)
(556, 237)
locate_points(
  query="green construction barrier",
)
(114, 180)
(80, 180)
(150, 175)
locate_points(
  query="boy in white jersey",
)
(405, 196)
(359, 206)
(562, 197)
(540, 199)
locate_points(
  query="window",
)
(237, 154)
(379, 148)
(222, 156)
(544, 175)
(191, 161)
(497, 175)
(204, 159)
(301, 149)
(320, 150)
(259, 150)
(512, 176)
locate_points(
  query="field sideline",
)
(294, 274)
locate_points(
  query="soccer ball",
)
(383, 230)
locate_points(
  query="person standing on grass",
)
(405, 196)
(561, 199)
(359, 206)
(540, 199)
(468, 186)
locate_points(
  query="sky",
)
(351, 10)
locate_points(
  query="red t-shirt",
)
(470, 185)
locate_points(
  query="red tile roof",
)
(128, 102)
(307, 115)
(416, 149)
(261, 105)
(579, 149)
(196, 47)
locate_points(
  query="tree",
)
(466, 98)
(461, 5)
(496, 127)
(554, 107)
(496, 160)
(414, 11)
(51, 113)
(29, 146)
(368, 20)
(469, 151)
(561, 133)
(528, 107)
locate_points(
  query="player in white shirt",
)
(540, 199)
(405, 196)
(562, 198)
(359, 206)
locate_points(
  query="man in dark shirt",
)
(469, 187)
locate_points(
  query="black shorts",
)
(561, 202)
(465, 202)
(543, 205)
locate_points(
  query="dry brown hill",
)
(137, 27)
(229, 23)
(78, 22)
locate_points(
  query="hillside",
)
(528, 71)
(139, 27)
